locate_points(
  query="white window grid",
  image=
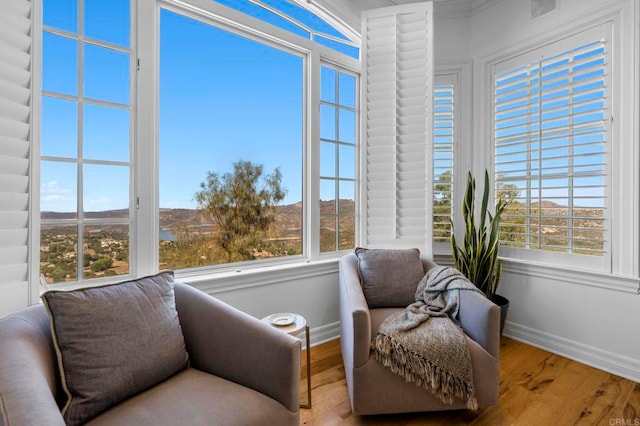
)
(336, 179)
(82, 221)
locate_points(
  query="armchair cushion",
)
(114, 341)
(389, 277)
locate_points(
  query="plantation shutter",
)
(552, 126)
(15, 138)
(443, 156)
(397, 123)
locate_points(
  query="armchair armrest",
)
(355, 322)
(229, 343)
(480, 319)
(28, 370)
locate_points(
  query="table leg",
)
(308, 404)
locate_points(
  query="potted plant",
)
(478, 258)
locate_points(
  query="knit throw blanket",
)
(424, 343)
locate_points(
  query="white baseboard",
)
(610, 362)
(323, 334)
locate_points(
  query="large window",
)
(231, 135)
(217, 168)
(86, 167)
(338, 118)
(552, 119)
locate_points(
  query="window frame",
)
(314, 55)
(550, 46)
(337, 142)
(439, 81)
(144, 230)
(81, 221)
(543, 122)
(240, 31)
(458, 74)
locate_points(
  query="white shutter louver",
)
(15, 137)
(397, 123)
(551, 125)
(443, 160)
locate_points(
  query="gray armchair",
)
(242, 372)
(373, 388)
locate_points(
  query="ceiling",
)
(349, 10)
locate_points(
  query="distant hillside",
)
(288, 217)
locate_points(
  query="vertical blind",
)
(397, 138)
(443, 161)
(15, 116)
(551, 133)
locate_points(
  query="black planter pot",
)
(503, 303)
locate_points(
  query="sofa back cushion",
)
(389, 278)
(114, 341)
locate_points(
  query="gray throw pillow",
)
(114, 341)
(389, 278)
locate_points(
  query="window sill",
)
(217, 282)
(568, 274)
(607, 281)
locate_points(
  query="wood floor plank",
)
(536, 388)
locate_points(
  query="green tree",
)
(102, 264)
(242, 204)
(442, 207)
(512, 226)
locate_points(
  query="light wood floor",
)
(536, 388)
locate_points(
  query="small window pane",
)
(58, 183)
(107, 20)
(347, 161)
(106, 251)
(348, 50)
(328, 233)
(60, 14)
(327, 193)
(347, 126)
(346, 232)
(106, 74)
(347, 198)
(58, 252)
(263, 14)
(106, 133)
(106, 191)
(59, 64)
(59, 132)
(327, 122)
(347, 90)
(304, 16)
(328, 85)
(327, 159)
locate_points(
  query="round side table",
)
(294, 324)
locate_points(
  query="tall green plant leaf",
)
(478, 258)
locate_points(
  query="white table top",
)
(295, 324)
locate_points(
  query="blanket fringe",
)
(421, 372)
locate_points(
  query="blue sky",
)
(223, 98)
(226, 98)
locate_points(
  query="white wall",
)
(13, 296)
(310, 290)
(451, 39)
(589, 317)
